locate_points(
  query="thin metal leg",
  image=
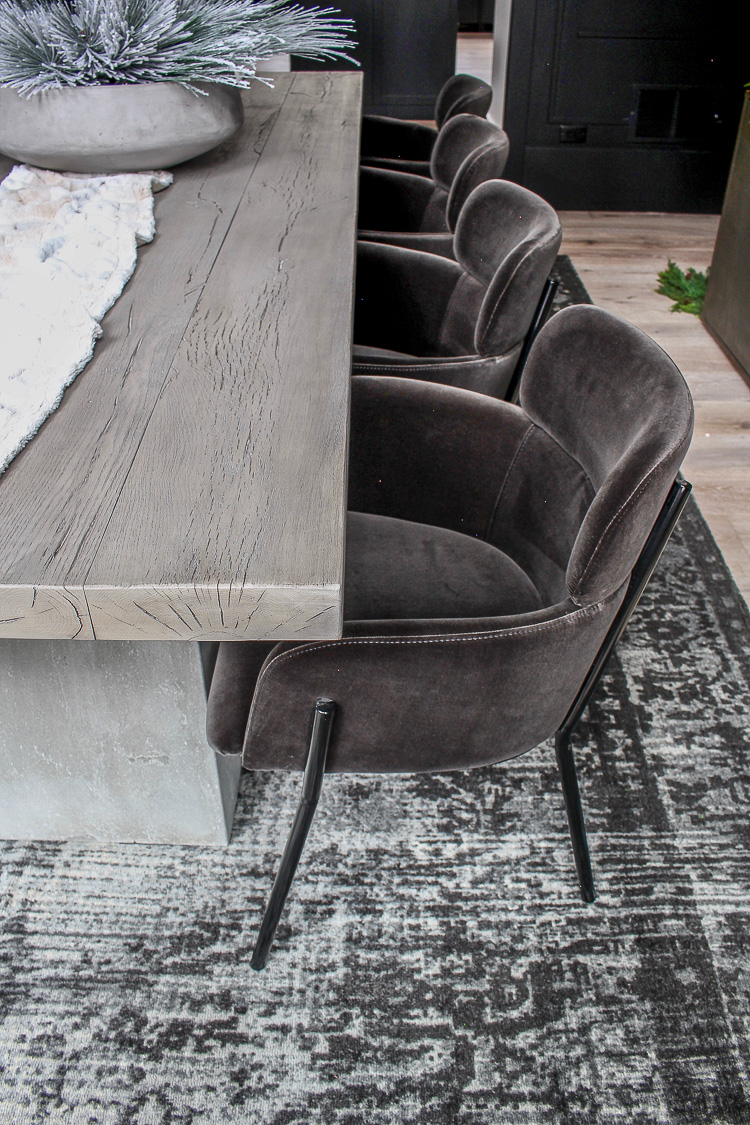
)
(642, 571)
(543, 310)
(311, 786)
(574, 810)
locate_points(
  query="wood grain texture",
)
(198, 463)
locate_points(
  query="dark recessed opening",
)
(696, 114)
(655, 114)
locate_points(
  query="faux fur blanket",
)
(68, 244)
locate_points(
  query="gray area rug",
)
(435, 964)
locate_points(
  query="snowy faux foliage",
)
(49, 44)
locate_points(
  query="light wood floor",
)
(617, 256)
(474, 54)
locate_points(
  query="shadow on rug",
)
(435, 964)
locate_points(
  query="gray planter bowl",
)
(130, 128)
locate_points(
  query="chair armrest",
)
(429, 242)
(431, 701)
(430, 453)
(393, 200)
(387, 136)
(486, 374)
(416, 167)
(401, 298)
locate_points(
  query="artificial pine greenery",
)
(686, 289)
(49, 44)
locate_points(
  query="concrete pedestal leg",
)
(106, 740)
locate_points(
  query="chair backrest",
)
(468, 150)
(620, 417)
(462, 93)
(506, 241)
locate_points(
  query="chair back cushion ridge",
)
(506, 241)
(462, 93)
(496, 218)
(435, 215)
(538, 511)
(513, 294)
(616, 403)
(458, 328)
(457, 139)
(487, 162)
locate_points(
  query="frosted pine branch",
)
(50, 44)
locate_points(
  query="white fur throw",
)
(67, 247)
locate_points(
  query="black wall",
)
(624, 104)
(407, 49)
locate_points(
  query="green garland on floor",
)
(687, 289)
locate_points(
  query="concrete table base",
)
(106, 740)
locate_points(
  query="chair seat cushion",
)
(398, 569)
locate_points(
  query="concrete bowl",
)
(128, 128)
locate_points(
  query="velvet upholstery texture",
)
(463, 323)
(490, 546)
(406, 146)
(419, 212)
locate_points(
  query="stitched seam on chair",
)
(442, 365)
(516, 455)
(444, 638)
(617, 517)
(539, 246)
(457, 298)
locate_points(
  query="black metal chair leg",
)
(574, 809)
(642, 571)
(541, 316)
(311, 786)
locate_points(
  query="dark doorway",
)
(476, 15)
(407, 50)
(623, 104)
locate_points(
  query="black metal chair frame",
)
(325, 709)
(541, 316)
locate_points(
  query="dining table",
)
(190, 487)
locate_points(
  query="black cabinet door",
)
(623, 104)
(407, 50)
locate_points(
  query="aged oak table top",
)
(192, 483)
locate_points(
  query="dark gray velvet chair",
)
(494, 555)
(421, 213)
(406, 146)
(463, 322)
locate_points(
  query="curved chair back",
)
(462, 93)
(610, 397)
(506, 241)
(578, 481)
(468, 151)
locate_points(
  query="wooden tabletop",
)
(192, 483)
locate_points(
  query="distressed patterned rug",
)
(435, 964)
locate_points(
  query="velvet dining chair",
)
(469, 322)
(494, 555)
(421, 212)
(406, 146)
